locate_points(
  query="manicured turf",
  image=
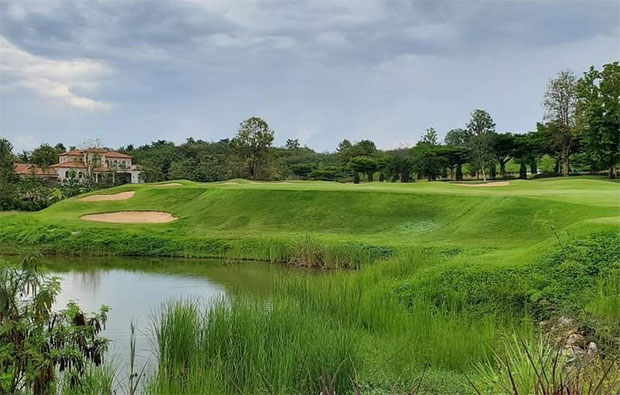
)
(378, 214)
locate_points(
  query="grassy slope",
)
(380, 214)
(460, 244)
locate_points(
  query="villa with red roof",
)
(100, 162)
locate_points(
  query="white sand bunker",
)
(490, 184)
(131, 217)
(171, 184)
(105, 198)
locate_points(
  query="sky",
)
(132, 72)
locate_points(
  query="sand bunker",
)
(172, 184)
(131, 217)
(105, 198)
(490, 184)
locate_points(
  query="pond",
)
(135, 288)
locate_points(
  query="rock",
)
(575, 340)
(592, 350)
(565, 321)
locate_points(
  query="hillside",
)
(271, 221)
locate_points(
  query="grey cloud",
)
(321, 70)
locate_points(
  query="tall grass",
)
(248, 347)
(94, 380)
(606, 303)
(526, 366)
(343, 332)
(409, 337)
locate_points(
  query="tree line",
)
(580, 131)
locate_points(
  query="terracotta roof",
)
(115, 154)
(73, 152)
(102, 151)
(71, 164)
(25, 169)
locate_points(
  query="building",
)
(30, 170)
(100, 163)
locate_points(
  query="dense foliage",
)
(37, 344)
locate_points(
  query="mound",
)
(171, 184)
(490, 184)
(105, 198)
(131, 217)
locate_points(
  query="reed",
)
(243, 346)
(606, 302)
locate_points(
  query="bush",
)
(562, 282)
(40, 348)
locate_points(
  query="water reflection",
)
(132, 296)
(135, 289)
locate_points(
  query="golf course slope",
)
(319, 223)
(451, 280)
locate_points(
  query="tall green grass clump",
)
(606, 303)
(405, 339)
(250, 347)
(535, 366)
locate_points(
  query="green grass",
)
(319, 223)
(606, 304)
(390, 339)
(447, 273)
(246, 348)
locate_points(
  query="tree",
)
(599, 114)
(252, 144)
(427, 160)
(92, 159)
(292, 144)
(430, 137)
(535, 149)
(561, 99)
(364, 164)
(364, 148)
(343, 152)
(503, 147)
(328, 173)
(453, 157)
(37, 342)
(302, 170)
(457, 138)
(45, 155)
(399, 165)
(184, 169)
(480, 129)
(522, 152)
(7, 176)
(24, 157)
(560, 102)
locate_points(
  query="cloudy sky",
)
(320, 71)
